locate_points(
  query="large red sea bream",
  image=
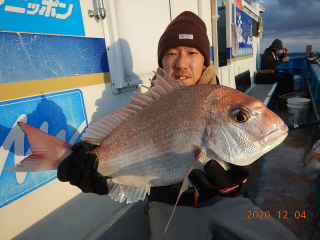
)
(165, 133)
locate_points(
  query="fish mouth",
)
(267, 142)
(275, 135)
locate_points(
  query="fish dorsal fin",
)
(96, 132)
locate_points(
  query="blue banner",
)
(60, 114)
(244, 33)
(42, 16)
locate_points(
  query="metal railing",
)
(314, 76)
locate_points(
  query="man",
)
(216, 212)
(270, 61)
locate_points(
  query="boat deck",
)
(282, 187)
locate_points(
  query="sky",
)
(295, 22)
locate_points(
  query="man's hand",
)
(285, 50)
(217, 179)
(285, 59)
(80, 169)
(214, 182)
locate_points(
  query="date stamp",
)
(279, 215)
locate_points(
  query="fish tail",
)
(48, 151)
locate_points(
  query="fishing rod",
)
(311, 58)
(302, 125)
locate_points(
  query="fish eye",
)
(241, 115)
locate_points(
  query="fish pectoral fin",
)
(199, 153)
(119, 192)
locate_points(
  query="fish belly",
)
(150, 165)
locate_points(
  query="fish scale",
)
(149, 142)
(153, 135)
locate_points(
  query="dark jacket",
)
(270, 60)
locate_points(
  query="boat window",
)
(222, 38)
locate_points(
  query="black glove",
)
(216, 179)
(208, 185)
(80, 169)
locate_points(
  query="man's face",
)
(184, 63)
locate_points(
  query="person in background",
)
(214, 207)
(270, 61)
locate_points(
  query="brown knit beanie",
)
(188, 30)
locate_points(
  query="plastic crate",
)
(282, 102)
